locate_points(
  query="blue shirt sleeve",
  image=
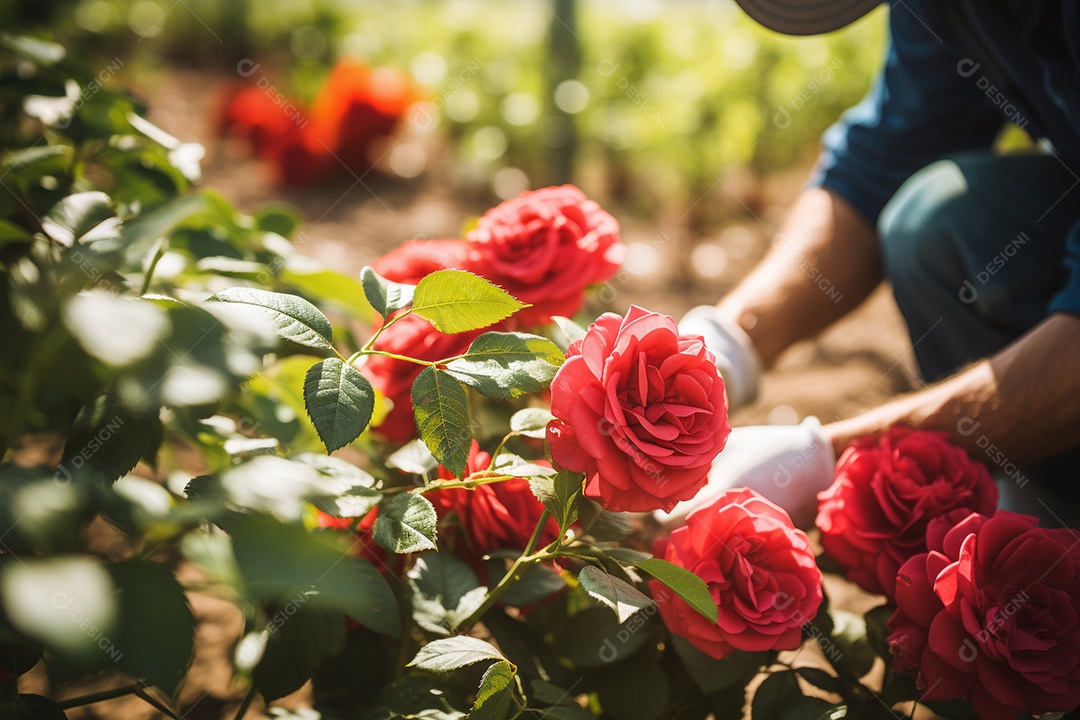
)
(925, 104)
(1068, 298)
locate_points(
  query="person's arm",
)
(824, 262)
(1025, 400)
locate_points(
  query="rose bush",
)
(887, 490)
(640, 410)
(514, 592)
(760, 571)
(991, 613)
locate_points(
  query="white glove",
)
(787, 464)
(736, 358)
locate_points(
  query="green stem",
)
(537, 531)
(371, 342)
(153, 266)
(404, 358)
(499, 449)
(98, 696)
(517, 571)
(154, 703)
(242, 710)
(467, 484)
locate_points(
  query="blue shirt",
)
(955, 73)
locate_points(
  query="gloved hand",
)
(788, 464)
(736, 358)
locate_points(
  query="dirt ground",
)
(858, 363)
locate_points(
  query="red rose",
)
(991, 613)
(413, 337)
(640, 410)
(760, 571)
(544, 247)
(499, 516)
(887, 490)
(416, 259)
(356, 107)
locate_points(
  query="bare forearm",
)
(824, 262)
(1025, 400)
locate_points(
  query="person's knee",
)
(918, 227)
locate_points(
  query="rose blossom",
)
(990, 614)
(874, 516)
(640, 410)
(760, 571)
(544, 247)
(499, 516)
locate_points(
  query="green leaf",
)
(626, 556)
(849, 634)
(349, 491)
(444, 592)
(441, 409)
(19, 655)
(779, 698)
(277, 559)
(76, 215)
(293, 318)
(531, 422)
(41, 52)
(298, 643)
(112, 438)
(413, 457)
(559, 495)
(339, 402)
(495, 694)
(10, 233)
(501, 365)
(517, 466)
(48, 599)
(623, 599)
(335, 290)
(686, 585)
(537, 584)
(877, 630)
(455, 301)
(637, 689)
(139, 234)
(821, 679)
(117, 331)
(385, 296)
(734, 672)
(155, 633)
(443, 656)
(567, 713)
(569, 328)
(406, 523)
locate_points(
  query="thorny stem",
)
(99, 696)
(468, 484)
(517, 570)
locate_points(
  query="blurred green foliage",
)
(669, 97)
